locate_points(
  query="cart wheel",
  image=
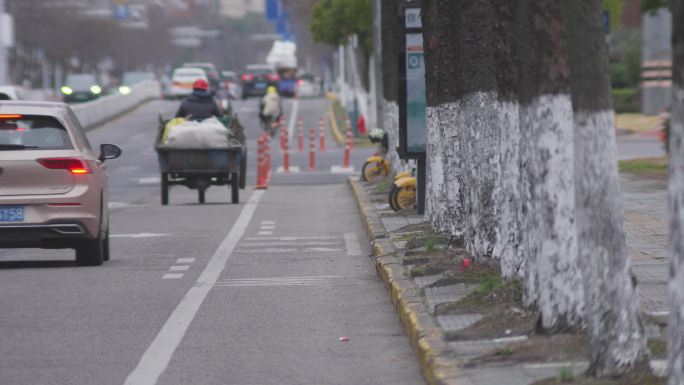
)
(164, 188)
(243, 169)
(200, 195)
(234, 188)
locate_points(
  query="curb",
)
(339, 138)
(426, 338)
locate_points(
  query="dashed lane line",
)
(158, 355)
(179, 268)
(172, 276)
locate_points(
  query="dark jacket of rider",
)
(199, 105)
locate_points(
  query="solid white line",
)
(172, 276)
(315, 277)
(265, 244)
(549, 365)
(185, 260)
(342, 170)
(179, 268)
(291, 170)
(158, 355)
(352, 244)
(293, 120)
(290, 239)
(265, 233)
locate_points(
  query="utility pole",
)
(4, 63)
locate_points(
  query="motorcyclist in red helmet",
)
(200, 104)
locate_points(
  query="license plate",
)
(11, 213)
(260, 86)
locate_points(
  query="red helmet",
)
(200, 84)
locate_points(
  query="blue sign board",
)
(272, 9)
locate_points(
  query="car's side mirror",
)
(109, 151)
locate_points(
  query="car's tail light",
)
(273, 77)
(300, 82)
(9, 116)
(74, 165)
(248, 77)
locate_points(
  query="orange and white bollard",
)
(300, 136)
(264, 162)
(347, 152)
(321, 135)
(312, 149)
(286, 158)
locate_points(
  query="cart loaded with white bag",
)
(201, 154)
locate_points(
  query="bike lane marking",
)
(156, 358)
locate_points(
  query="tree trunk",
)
(553, 279)
(390, 30)
(614, 328)
(676, 188)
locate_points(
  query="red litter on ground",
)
(344, 339)
(467, 262)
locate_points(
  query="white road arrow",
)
(139, 235)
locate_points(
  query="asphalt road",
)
(256, 293)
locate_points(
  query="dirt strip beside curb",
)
(436, 365)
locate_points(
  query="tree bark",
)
(390, 77)
(676, 192)
(552, 279)
(614, 328)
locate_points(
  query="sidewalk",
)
(445, 357)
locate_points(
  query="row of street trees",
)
(522, 159)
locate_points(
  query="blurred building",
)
(239, 8)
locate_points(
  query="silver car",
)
(53, 186)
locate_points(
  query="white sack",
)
(209, 133)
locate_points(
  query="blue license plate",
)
(260, 86)
(11, 213)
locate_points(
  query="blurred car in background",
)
(10, 93)
(257, 78)
(182, 79)
(231, 84)
(308, 86)
(129, 79)
(53, 191)
(81, 88)
(213, 76)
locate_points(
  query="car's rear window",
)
(32, 132)
(189, 74)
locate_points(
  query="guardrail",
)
(92, 114)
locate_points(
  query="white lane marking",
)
(172, 276)
(265, 233)
(185, 260)
(158, 355)
(267, 227)
(277, 281)
(342, 170)
(270, 244)
(114, 205)
(179, 268)
(148, 180)
(278, 250)
(293, 119)
(268, 222)
(291, 170)
(289, 239)
(352, 244)
(139, 235)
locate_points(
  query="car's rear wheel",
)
(105, 246)
(90, 252)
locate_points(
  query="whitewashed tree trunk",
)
(436, 209)
(676, 193)
(615, 332)
(554, 282)
(391, 124)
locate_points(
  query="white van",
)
(182, 79)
